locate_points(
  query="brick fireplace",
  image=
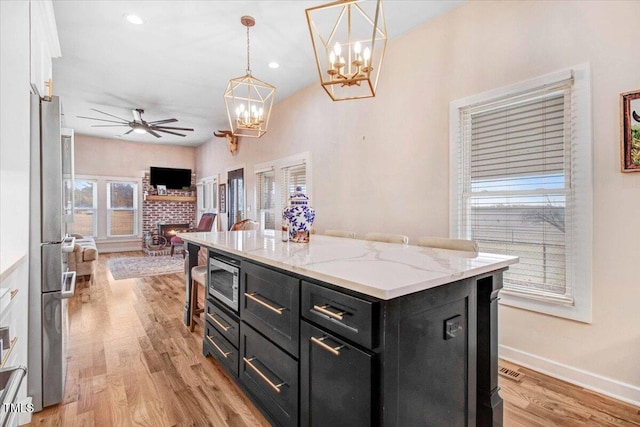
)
(170, 230)
(168, 215)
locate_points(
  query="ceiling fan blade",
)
(172, 133)
(157, 135)
(102, 120)
(109, 126)
(128, 132)
(93, 109)
(171, 127)
(159, 122)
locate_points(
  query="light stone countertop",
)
(381, 270)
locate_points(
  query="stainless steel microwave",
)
(224, 280)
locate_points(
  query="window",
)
(122, 209)
(207, 195)
(85, 194)
(520, 179)
(266, 195)
(275, 183)
(293, 176)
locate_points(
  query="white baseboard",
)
(106, 246)
(617, 389)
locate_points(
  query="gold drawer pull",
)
(218, 348)
(217, 322)
(320, 342)
(274, 386)
(323, 309)
(253, 297)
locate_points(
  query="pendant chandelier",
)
(248, 99)
(349, 38)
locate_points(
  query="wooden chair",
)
(340, 233)
(389, 238)
(198, 279)
(446, 243)
(245, 224)
(206, 224)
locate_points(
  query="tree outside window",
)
(86, 206)
(122, 218)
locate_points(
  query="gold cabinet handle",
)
(320, 342)
(226, 355)
(323, 309)
(252, 296)
(217, 322)
(273, 385)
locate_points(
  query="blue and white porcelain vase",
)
(299, 216)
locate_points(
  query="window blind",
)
(515, 172)
(265, 191)
(292, 177)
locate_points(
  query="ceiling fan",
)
(138, 125)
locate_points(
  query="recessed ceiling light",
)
(134, 19)
(273, 64)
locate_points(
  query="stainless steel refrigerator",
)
(50, 284)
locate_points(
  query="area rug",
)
(130, 268)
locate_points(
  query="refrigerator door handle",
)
(68, 244)
(68, 285)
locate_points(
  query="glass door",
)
(235, 182)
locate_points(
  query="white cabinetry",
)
(44, 45)
(28, 39)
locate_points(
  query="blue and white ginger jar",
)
(299, 216)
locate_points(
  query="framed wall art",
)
(630, 150)
(222, 198)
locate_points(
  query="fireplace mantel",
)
(171, 198)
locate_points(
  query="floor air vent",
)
(510, 373)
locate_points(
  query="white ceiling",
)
(178, 63)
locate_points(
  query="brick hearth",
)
(154, 212)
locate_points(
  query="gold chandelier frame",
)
(248, 99)
(356, 75)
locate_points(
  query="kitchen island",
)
(353, 332)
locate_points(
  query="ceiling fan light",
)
(139, 130)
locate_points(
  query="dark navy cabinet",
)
(336, 381)
(310, 353)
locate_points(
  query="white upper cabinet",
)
(44, 44)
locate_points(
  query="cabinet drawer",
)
(226, 324)
(270, 303)
(336, 381)
(351, 317)
(217, 346)
(271, 375)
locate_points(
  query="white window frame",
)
(207, 191)
(94, 232)
(135, 208)
(259, 211)
(579, 245)
(277, 166)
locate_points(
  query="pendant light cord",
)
(248, 65)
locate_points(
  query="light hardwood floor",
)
(133, 362)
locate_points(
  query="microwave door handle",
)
(69, 276)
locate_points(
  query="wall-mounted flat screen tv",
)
(172, 178)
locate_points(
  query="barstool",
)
(446, 243)
(198, 278)
(340, 233)
(386, 237)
